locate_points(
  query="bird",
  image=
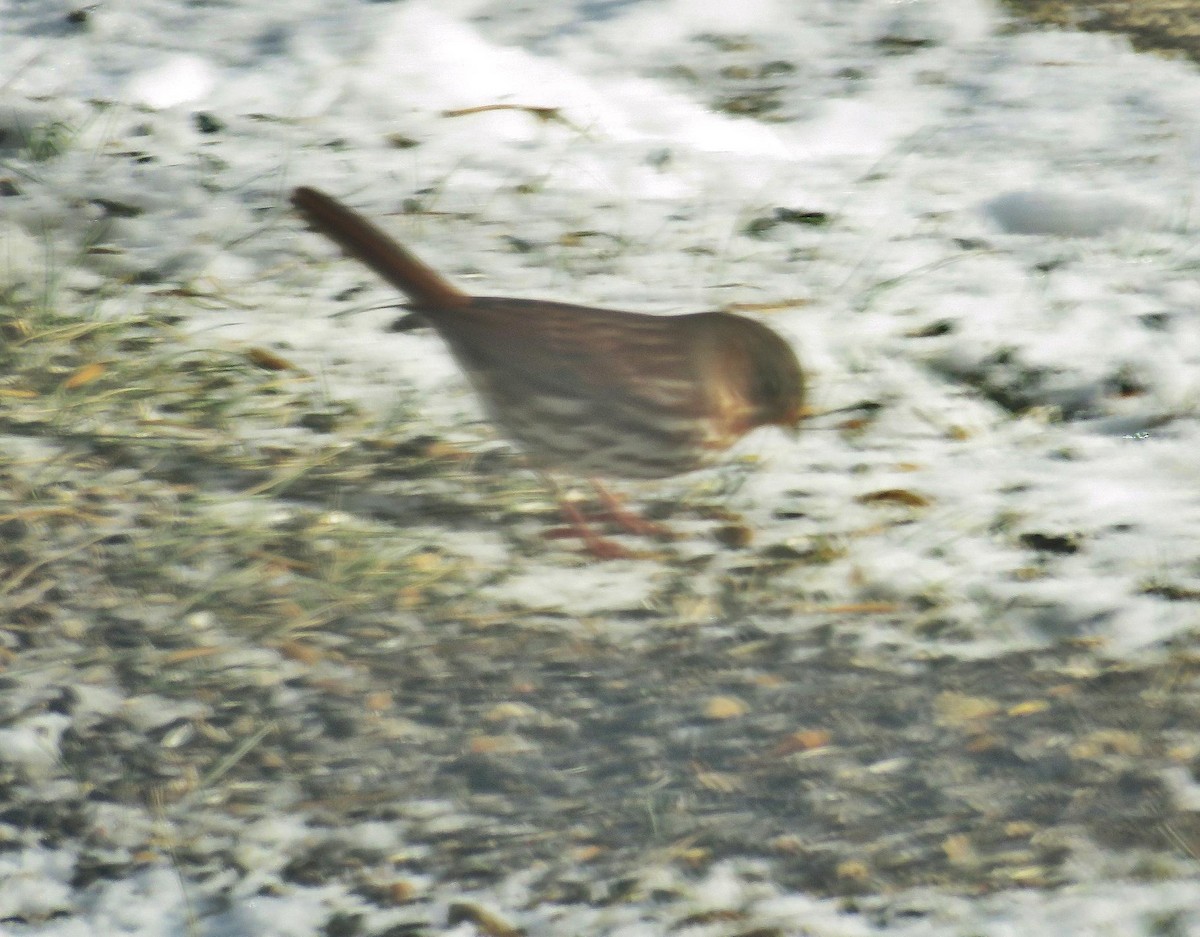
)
(589, 392)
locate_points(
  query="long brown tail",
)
(361, 239)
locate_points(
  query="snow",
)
(33, 743)
(1031, 190)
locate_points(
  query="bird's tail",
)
(428, 289)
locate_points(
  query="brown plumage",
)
(592, 391)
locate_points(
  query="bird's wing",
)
(575, 352)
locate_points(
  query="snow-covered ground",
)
(1007, 267)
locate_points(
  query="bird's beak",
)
(791, 425)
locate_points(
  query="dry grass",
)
(146, 474)
(1170, 26)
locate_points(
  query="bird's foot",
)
(600, 547)
(628, 520)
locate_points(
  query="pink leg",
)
(600, 547)
(623, 517)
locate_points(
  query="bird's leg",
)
(623, 517)
(577, 526)
(600, 547)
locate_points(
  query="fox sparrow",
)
(595, 392)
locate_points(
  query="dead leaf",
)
(268, 360)
(902, 496)
(725, 707)
(85, 375)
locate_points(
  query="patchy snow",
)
(1009, 269)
